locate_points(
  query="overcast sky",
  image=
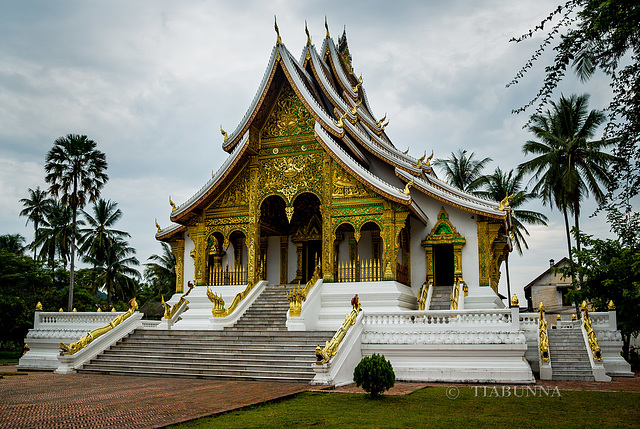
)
(151, 82)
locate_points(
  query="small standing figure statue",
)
(355, 301)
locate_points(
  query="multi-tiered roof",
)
(345, 127)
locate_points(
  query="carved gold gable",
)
(289, 117)
(345, 186)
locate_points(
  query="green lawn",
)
(430, 407)
(9, 357)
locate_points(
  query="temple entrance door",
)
(306, 233)
(311, 253)
(443, 264)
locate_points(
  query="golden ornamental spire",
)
(379, 124)
(173, 205)
(326, 26)
(384, 126)
(278, 40)
(158, 226)
(408, 185)
(224, 133)
(306, 30)
(406, 151)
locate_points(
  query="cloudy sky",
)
(151, 82)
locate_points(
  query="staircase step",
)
(257, 347)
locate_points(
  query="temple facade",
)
(317, 230)
(313, 179)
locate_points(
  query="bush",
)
(375, 374)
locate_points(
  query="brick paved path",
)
(46, 400)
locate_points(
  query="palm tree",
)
(161, 273)
(54, 239)
(497, 186)
(115, 274)
(568, 165)
(13, 243)
(75, 172)
(500, 184)
(96, 239)
(35, 210)
(463, 172)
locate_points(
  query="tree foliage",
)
(161, 272)
(610, 271)
(375, 374)
(462, 171)
(590, 35)
(76, 173)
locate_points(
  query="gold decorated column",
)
(253, 240)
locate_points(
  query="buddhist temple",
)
(312, 178)
(318, 242)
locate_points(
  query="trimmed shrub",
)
(375, 374)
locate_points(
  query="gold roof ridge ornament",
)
(340, 122)
(384, 125)
(406, 151)
(354, 110)
(357, 87)
(158, 226)
(306, 30)
(173, 205)
(326, 26)
(379, 123)
(505, 202)
(224, 133)
(275, 25)
(408, 186)
(419, 164)
(428, 161)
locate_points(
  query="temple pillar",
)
(253, 231)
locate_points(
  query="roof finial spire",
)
(326, 26)
(278, 40)
(306, 30)
(224, 133)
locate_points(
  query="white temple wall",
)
(365, 248)
(465, 224)
(273, 259)
(343, 248)
(228, 258)
(189, 262)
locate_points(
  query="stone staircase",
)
(568, 355)
(440, 298)
(257, 347)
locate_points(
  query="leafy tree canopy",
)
(590, 35)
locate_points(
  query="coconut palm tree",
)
(463, 172)
(13, 243)
(500, 184)
(497, 186)
(568, 165)
(35, 210)
(161, 273)
(96, 239)
(55, 237)
(115, 274)
(76, 173)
